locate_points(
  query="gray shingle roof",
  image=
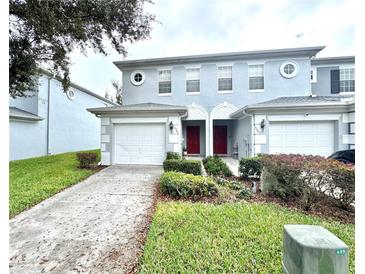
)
(333, 60)
(294, 100)
(16, 113)
(297, 102)
(226, 56)
(145, 107)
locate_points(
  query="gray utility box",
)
(310, 249)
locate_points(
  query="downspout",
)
(181, 132)
(48, 113)
(252, 134)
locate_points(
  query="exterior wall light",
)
(263, 124)
(171, 126)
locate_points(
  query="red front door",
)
(220, 140)
(193, 139)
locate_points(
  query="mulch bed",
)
(324, 208)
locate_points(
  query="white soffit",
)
(223, 111)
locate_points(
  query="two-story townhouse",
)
(229, 104)
(51, 121)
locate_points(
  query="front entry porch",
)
(209, 134)
(221, 137)
(194, 135)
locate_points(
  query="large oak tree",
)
(46, 31)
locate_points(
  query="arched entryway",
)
(220, 129)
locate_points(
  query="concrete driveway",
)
(95, 226)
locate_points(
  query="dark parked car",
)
(345, 156)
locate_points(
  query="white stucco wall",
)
(72, 127)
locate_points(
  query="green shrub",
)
(241, 191)
(173, 155)
(216, 166)
(268, 181)
(250, 167)
(186, 166)
(87, 159)
(244, 193)
(308, 178)
(178, 184)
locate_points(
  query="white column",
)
(210, 137)
(207, 137)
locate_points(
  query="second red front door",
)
(220, 140)
(193, 139)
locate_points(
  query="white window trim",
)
(347, 93)
(295, 72)
(164, 68)
(158, 80)
(192, 93)
(71, 94)
(254, 63)
(192, 67)
(165, 94)
(314, 69)
(225, 65)
(133, 81)
(256, 90)
(346, 66)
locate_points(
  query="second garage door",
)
(139, 144)
(316, 138)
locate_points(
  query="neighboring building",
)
(229, 104)
(52, 121)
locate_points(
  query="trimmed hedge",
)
(173, 155)
(186, 166)
(308, 178)
(178, 184)
(250, 167)
(216, 166)
(87, 159)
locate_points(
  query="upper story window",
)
(193, 80)
(224, 78)
(137, 77)
(164, 81)
(289, 69)
(343, 80)
(256, 77)
(347, 80)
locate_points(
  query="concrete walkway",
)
(92, 227)
(232, 163)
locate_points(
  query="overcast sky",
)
(211, 26)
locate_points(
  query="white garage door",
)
(316, 138)
(139, 144)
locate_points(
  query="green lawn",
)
(229, 238)
(33, 180)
